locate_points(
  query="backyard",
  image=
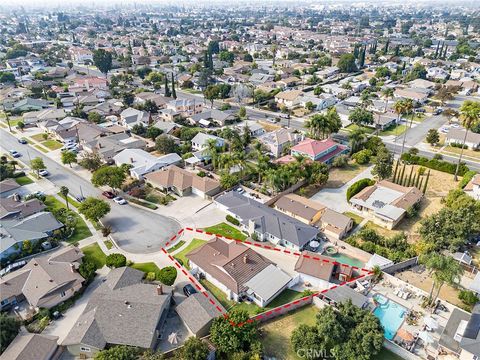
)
(226, 230)
(195, 243)
(81, 229)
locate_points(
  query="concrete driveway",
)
(336, 199)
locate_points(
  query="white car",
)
(119, 200)
(43, 172)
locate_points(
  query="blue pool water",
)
(345, 259)
(390, 315)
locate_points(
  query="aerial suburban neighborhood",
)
(240, 181)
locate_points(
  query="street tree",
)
(102, 60)
(94, 209)
(69, 157)
(37, 164)
(433, 137)
(470, 116)
(64, 191)
(112, 176)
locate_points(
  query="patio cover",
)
(343, 293)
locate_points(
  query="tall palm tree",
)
(470, 115)
(318, 125)
(366, 99)
(356, 139)
(64, 191)
(387, 94)
(212, 152)
(408, 107)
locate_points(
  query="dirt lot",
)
(340, 176)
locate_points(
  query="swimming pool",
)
(390, 315)
(345, 259)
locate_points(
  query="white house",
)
(200, 141)
(131, 117)
(143, 162)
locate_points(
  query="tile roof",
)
(313, 147)
(316, 268)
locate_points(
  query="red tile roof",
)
(314, 147)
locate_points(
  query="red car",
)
(108, 194)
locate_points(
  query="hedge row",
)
(232, 220)
(358, 186)
(435, 164)
(466, 178)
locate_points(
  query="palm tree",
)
(470, 115)
(356, 139)
(212, 152)
(64, 191)
(408, 107)
(366, 100)
(318, 125)
(387, 94)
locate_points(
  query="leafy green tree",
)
(211, 93)
(433, 137)
(229, 339)
(9, 328)
(90, 161)
(7, 77)
(383, 164)
(94, 117)
(153, 132)
(360, 116)
(102, 60)
(94, 209)
(228, 180)
(242, 112)
(165, 144)
(356, 139)
(37, 164)
(346, 64)
(87, 269)
(64, 191)
(167, 275)
(470, 116)
(116, 260)
(69, 157)
(121, 352)
(112, 176)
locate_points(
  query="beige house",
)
(289, 98)
(183, 182)
(311, 212)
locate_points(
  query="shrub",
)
(362, 157)
(413, 151)
(468, 297)
(106, 230)
(435, 164)
(438, 156)
(458, 145)
(202, 173)
(358, 186)
(340, 161)
(232, 220)
(151, 276)
(116, 260)
(466, 178)
(167, 275)
(421, 170)
(87, 269)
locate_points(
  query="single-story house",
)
(456, 136)
(131, 117)
(45, 281)
(313, 272)
(13, 207)
(108, 146)
(29, 346)
(344, 293)
(319, 150)
(289, 98)
(416, 95)
(254, 128)
(386, 203)
(121, 311)
(265, 223)
(142, 162)
(182, 182)
(238, 271)
(473, 187)
(207, 117)
(8, 187)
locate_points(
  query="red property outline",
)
(213, 300)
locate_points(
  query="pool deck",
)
(387, 286)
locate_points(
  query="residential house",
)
(121, 311)
(27, 104)
(142, 162)
(315, 270)
(30, 346)
(207, 117)
(8, 187)
(108, 146)
(383, 121)
(131, 117)
(310, 212)
(36, 227)
(319, 150)
(168, 127)
(461, 335)
(254, 128)
(327, 72)
(183, 182)
(456, 136)
(265, 223)
(320, 102)
(45, 281)
(280, 140)
(289, 82)
(201, 140)
(13, 207)
(473, 187)
(198, 313)
(110, 107)
(386, 203)
(34, 117)
(289, 98)
(185, 107)
(238, 271)
(415, 95)
(159, 100)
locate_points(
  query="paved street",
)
(135, 229)
(416, 134)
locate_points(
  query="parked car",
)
(119, 200)
(108, 194)
(15, 153)
(22, 141)
(80, 198)
(240, 190)
(43, 172)
(189, 290)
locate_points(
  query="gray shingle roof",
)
(28, 346)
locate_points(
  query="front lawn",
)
(52, 144)
(224, 229)
(71, 200)
(195, 243)
(23, 180)
(393, 130)
(38, 137)
(147, 267)
(353, 127)
(81, 229)
(94, 253)
(176, 246)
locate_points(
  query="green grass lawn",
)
(176, 246)
(353, 127)
(71, 200)
(219, 295)
(385, 354)
(393, 130)
(195, 243)
(52, 144)
(94, 253)
(38, 137)
(23, 180)
(226, 230)
(41, 148)
(147, 267)
(108, 244)
(81, 231)
(357, 219)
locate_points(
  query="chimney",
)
(72, 268)
(159, 290)
(131, 160)
(245, 259)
